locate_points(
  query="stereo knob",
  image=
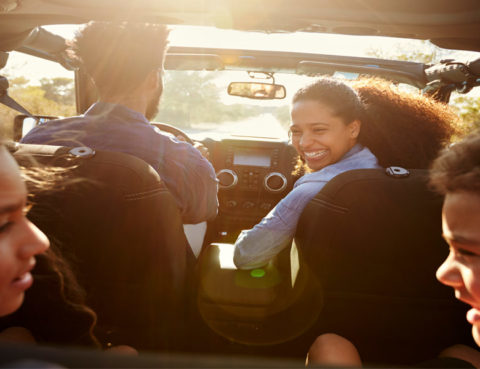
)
(227, 178)
(275, 182)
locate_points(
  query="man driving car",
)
(125, 63)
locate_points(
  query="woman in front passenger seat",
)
(336, 128)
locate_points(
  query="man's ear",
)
(354, 128)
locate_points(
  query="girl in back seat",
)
(53, 310)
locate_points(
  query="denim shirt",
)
(256, 246)
(112, 127)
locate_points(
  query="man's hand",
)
(199, 146)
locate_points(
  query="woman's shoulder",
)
(359, 157)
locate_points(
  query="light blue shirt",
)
(256, 246)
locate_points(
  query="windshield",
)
(198, 103)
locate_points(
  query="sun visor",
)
(43, 40)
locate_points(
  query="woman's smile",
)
(312, 156)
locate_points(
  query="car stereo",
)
(251, 167)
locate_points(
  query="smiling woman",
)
(336, 128)
(326, 120)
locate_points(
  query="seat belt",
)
(8, 101)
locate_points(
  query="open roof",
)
(447, 23)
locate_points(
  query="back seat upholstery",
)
(374, 242)
(120, 228)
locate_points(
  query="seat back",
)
(374, 243)
(120, 229)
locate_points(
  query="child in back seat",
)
(456, 175)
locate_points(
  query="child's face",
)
(461, 270)
(20, 240)
(320, 137)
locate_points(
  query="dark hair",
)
(400, 128)
(403, 128)
(54, 309)
(342, 99)
(119, 56)
(458, 167)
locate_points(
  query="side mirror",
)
(22, 124)
(257, 90)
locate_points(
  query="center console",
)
(253, 176)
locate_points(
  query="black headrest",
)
(126, 172)
(114, 220)
(374, 243)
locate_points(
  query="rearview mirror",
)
(257, 90)
(22, 124)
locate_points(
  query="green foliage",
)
(467, 106)
(424, 52)
(59, 89)
(187, 98)
(52, 97)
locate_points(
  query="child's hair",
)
(54, 308)
(458, 167)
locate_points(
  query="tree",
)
(187, 99)
(422, 52)
(466, 106)
(59, 89)
(34, 98)
(195, 97)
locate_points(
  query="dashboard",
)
(253, 175)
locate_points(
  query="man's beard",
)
(152, 106)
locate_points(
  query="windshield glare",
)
(198, 103)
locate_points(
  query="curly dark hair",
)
(403, 128)
(342, 99)
(458, 167)
(400, 128)
(54, 309)
(119, 56)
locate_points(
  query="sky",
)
(19, 64)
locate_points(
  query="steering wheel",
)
(173, 130)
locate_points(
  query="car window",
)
(41, 86)
(198, 102)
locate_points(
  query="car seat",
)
(373, 241)
(119, 227)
